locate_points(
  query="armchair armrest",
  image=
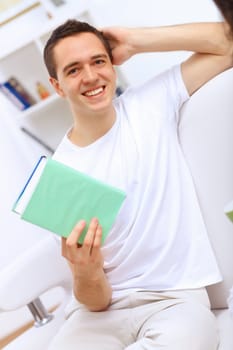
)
(42, 266)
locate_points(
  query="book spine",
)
(13, 91)
(11, 97)
(119, 91)
(21, 90)
(14, 208)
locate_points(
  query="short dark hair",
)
(226, 7)
(70, 28)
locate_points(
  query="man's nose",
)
(89, 74)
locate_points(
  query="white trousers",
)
(177, 320)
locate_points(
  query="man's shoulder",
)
(160, 82)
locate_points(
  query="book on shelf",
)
(11, 97)
(21, 90)
(228, 210)
(119, 91)
(56, 197)
(17, 94)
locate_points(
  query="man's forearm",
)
(196, 37)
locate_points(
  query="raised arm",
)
(210, 42)
(90, 284)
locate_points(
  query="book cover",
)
(56, 197)
(228, 210)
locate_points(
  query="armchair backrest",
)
(206, 135)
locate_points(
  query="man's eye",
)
(72, 71)
(99, 62)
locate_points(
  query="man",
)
(226, 7)
(144, 288)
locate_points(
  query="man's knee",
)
(195, 332)
(192, 328)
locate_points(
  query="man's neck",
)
(87, 130)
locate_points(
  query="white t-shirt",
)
(159, 240)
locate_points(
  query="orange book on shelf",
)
(42, 90)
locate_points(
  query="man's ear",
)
(54, 82)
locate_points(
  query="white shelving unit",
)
(48, 119)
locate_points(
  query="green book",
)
(57, 196)
(228, 210)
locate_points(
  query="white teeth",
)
(94, 92)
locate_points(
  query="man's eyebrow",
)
(76, 63)
(101, 55)
(70, 65)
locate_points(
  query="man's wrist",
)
(94, 292)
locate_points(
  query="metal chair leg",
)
(40, 314)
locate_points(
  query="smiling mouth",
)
(94, 92)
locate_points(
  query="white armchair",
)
(206, 129)
(38, 270)
(206, 136)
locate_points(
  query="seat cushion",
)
(225, 323)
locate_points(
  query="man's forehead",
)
(80, 46)
(86, 38)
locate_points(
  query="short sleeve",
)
(159, 98)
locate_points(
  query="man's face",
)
(85, 75)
